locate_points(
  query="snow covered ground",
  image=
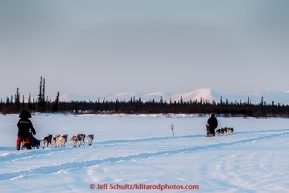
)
(140, 149)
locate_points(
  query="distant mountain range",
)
(204, 93)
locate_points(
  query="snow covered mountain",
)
(204, 93)
(120, 96)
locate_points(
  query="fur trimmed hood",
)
(24, 114)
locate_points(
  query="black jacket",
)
(23, 128)
(213, 123)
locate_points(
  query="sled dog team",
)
(221, 132)
(60, 140)
(212, 124)
(225, 131)
(26, 132)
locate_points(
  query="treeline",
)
(137, 106)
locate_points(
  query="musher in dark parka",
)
(24, 124)
(212, 124)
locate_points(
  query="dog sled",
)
(35, 143)
(209, 133)
(220, 132)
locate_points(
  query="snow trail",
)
(50, 169)
(23, 155)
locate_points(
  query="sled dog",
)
(225, 131)
(35, 143)
(89, 139)
(47, 140)
(61, 141)
(222, 131)
(55, 140)
(230, 131)
(218, 132)
(80, 137)
(74, 141)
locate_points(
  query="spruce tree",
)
(33, 104)
(41, 104)
(40, 91)
(7, 102)
(29, 102)
(76, 109)
(116, 105)
(43, 91)
(11, 101)
(17, 100)
(56, 102)
(23, 102)
(221, 102)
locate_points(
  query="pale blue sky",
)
(98, 47)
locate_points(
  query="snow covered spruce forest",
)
(141, 150)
